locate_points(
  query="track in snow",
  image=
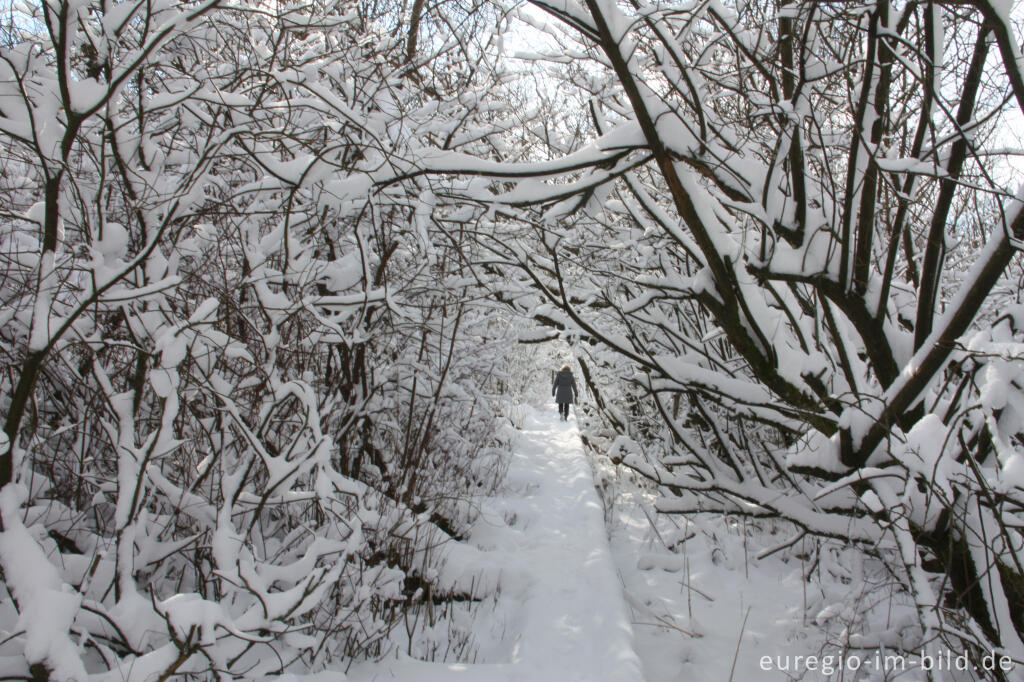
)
(561, 597)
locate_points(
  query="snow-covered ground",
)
(705, 607)
(700, 609)
(559, 615)
(590, 590)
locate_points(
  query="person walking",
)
(564, 391)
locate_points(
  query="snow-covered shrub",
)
(247, 402)
(789, 221)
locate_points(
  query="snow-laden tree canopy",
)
(789, 222)
(248, 389)
(260, 262)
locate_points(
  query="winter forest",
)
(284, 286)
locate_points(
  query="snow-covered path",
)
(564, 617)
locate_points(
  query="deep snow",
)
(702, 607)
(705, 607)
(560, 614)
(665, 599)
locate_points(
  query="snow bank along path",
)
(560, 594)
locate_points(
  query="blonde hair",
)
(565, 368)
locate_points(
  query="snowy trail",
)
(561, 602)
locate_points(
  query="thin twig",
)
(739, 641)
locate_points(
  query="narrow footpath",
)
(560, 599)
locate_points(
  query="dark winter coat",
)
(564, 389)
